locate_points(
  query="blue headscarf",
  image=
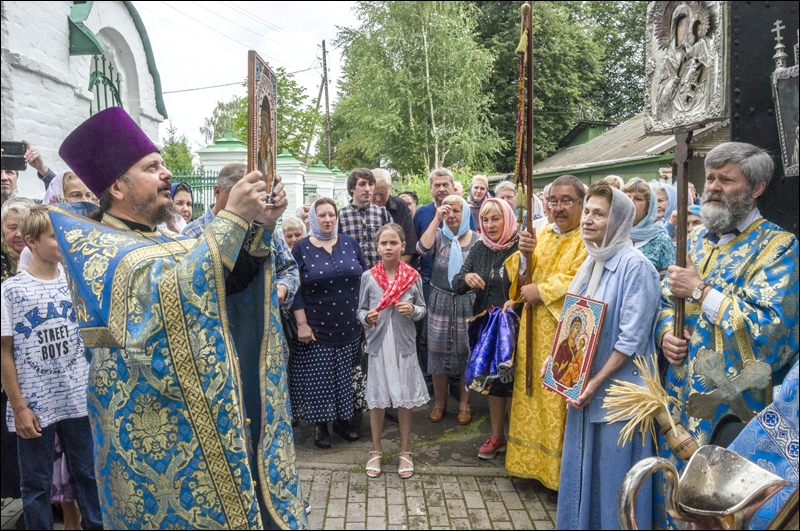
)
(456, 260)
(175, 189)
(316, 231)
(672, 201)
(694, 210)
(648, 228)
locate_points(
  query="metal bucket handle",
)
(626, 504)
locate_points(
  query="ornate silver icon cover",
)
(688, 65)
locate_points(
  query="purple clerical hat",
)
(104, 147)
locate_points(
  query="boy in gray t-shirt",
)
(44, 373)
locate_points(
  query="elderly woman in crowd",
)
(666, 200)
(293, 230)
(484, 273)
(507, 191)
(64, 188)
(68, 188)
(594, 463)
(647, 234)
(328, 332)
(448, 313)
(12, 242)
(411, 200)
(478, 193)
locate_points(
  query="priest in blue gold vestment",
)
(741, 290)
(173, 442)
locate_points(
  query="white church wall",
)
(45, 90)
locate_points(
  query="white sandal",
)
(405, 469)
(376, 470)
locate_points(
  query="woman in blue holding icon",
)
(594, 462)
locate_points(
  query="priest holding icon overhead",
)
(175, 443)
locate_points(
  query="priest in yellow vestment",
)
(536, 428)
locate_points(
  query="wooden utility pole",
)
(316, 108)
(327, 103)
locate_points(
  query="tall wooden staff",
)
(529, 202)
(683, 153)
(523, 166)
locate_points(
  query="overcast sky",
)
(203, 44)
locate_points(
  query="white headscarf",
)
(620, 223)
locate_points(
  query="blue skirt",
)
(321, 380)
(593, 467)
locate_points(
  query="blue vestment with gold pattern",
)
(771, 441)
(758, 274)
(165, 393)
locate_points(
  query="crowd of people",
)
(360, 307)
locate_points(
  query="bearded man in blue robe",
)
(174, 444)
(741, 291)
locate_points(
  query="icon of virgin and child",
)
(569, 356)
(265, 145)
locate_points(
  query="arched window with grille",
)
(105, 83)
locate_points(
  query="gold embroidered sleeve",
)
(223, 237)
(261, 243)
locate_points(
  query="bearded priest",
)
(173, 445)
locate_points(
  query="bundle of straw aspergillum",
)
(640, 405)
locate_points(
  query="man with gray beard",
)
(741, 287)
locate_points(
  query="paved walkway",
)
(451, 487)
(342, 499)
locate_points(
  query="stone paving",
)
(342, 499)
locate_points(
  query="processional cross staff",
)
(524, 166)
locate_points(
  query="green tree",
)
(176, 152)
(411, 95)
(298, 119)
(222, 119)
(620, 27)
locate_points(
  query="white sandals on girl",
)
(372, 470)
(401, 470)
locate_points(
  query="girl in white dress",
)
(390, 301)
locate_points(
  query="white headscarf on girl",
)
(620, 223)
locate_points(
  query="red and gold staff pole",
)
(529, 202)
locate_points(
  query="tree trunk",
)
(430, 98)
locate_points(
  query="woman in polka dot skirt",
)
(328, 332)
(391, 301)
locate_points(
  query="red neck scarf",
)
(404, 278)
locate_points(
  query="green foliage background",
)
(176, 152)
(298, 120)
(435, 83)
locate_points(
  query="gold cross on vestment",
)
(710, 364)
